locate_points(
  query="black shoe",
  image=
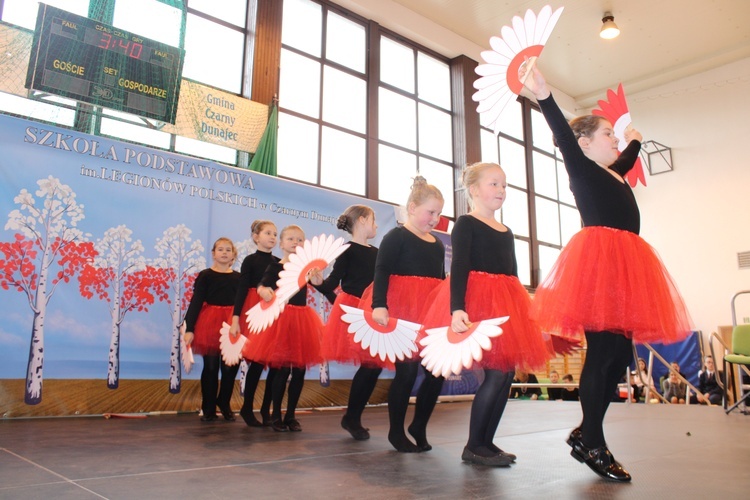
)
(293, 425)
(279, 426)
(267, 421)
(357, 431)
(601, 461)
(499, 460)
(209, 418)
(227, 413)
(249, 418)
(575, 437)
(501, 452)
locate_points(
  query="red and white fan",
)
(394, 341)
(186, 351)
(316, 253)
(615, 109)
(446, 352)
(263, 314)
(231, 347)
(499, 82)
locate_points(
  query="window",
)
(213, 54)
(539, 207)
(414, 115)
(324, 123)
(24, 12)
(323, 97)
(230, 11)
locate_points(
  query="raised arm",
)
(576, 162)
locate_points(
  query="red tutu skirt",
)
(207, 328)
(292, 340)
(521, 345)
(251, 299)
(338, 343)
(407, 296)
(611, 280)
(407, 299)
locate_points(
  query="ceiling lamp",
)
(609, 28)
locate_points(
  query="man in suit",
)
(708, 384)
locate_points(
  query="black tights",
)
(363, 384)
(398, 402)
(212, 365)
(252, 377)
(295, 390)
(607, 357)
(487, 410)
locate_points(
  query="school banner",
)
(101, 241)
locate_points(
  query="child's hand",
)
(380, 316)
(460, 321)
(234, 328)
(632, 134)
(535, 81)
(265, 293)
(315, 276)
(188, 337)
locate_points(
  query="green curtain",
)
(264, 159)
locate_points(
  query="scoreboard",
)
(83, 59)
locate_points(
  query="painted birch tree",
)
(180, 259)
(48, 249)
(119, 275)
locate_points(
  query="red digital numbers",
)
(130, 49)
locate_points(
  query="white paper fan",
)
(499, 82)
(186, 351)
(316, 253)
(231, 348)
(395, 341)
(445, 352)
(263, 314)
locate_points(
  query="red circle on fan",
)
(457, 338)
(388, 328)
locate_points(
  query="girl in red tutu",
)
(211, 305)
(354, 270)
(410, 264)
(484, 284)
(253, 266)
(292, 342)
(608, 283)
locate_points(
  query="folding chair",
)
(739, 355)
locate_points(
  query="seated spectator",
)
(525, 392)
(641, 380)
(554, 393)
(673, 367)
(674, 389)
(569, 393)
(708, 384)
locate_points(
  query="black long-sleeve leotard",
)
(478, 247)
(251, 272)
(271, 276)
(601, 198)
(354, 269)
(405, 254)
(212, 287)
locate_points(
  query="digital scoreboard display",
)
(83, 59)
